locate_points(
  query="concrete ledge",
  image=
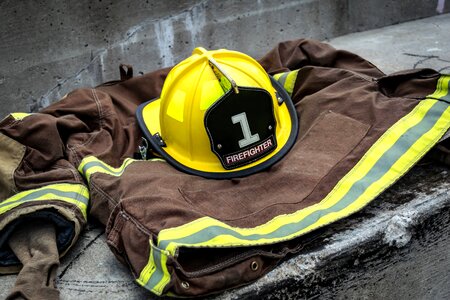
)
(52, 47)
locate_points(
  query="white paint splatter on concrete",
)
(195, 21)
(164, 40)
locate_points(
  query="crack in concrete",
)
(46, 98)
(70, 264)
(163, 29)
(165, 36)
(425, 58)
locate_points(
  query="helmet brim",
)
(148, 116)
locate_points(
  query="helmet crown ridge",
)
(219, 116)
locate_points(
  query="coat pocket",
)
(328, 142)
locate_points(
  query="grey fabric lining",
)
(65, 231)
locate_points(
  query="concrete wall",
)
(51, 47)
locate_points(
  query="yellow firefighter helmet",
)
(220, 115)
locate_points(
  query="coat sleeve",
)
(43, 198)
(42, 153)
(38, 176)
(295, 54)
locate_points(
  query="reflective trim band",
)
(76, 194)
(281, 77)
(386, 161)
(19, 115)
(90, 165)
(155, 275)
(287, 80)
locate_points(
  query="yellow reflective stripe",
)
(149, 268)
(287, 80)
(290, 82)
(19, 115)
(90, 165)
(442, 91)
(277, 76)
(412, 155)
(76, 194)
(426, 141)
(376, 151)
(155, 276)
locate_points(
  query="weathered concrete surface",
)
(403, 46)
(396, 248)
(51, 47)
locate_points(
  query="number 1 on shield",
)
(249, 138)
